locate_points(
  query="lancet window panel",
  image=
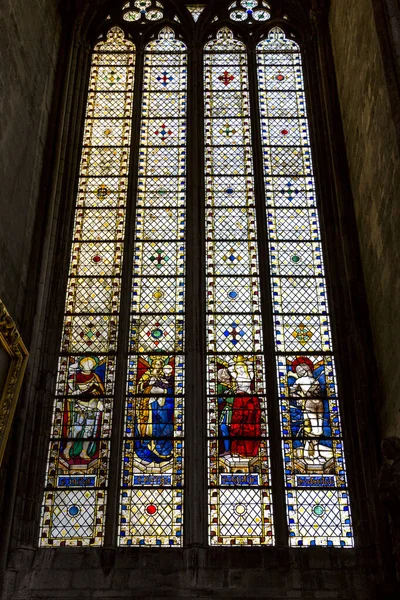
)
(318, 508)
(73, 511)
(240, 503)
(151, 512)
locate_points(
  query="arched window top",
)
(224, 41)
(115, 42)
(166, 42)
(277, 41)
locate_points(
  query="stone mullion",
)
(274, 427)
(195, 462)
(115, 465)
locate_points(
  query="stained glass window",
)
(150, 350)
(152, 479)
(73, 511)
(315, 476)
(143, 10)
(249, 10)
(196, 10)
(240, 510)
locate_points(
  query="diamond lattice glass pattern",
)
(152, 476)
(318, 507)
(240, 509)
(73, 511)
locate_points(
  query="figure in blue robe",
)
(154, 429)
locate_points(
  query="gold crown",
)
(239, 360)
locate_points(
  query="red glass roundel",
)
(151, 509)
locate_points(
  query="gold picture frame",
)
(13, 360)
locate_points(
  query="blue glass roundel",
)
(73, 511)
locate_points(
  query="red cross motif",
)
(163, 131)
(164, 79)
(226, 78)
(158, 258)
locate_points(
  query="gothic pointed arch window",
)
(248, 336)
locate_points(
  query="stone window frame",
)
(348, 306)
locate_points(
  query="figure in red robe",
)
(241, 415)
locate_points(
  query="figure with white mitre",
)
(82, 420)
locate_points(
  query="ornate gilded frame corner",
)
(12, 344)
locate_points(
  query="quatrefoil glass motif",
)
(247, 10)
(152, 11)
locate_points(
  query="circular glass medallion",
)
(151, 509)
(232, 295)
(295, 258)
(318, 510)
(73, 511)
(157, 333)
(240, 509)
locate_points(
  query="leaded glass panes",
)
(318, 509)
(150, 496)
(249, 10)
(196, 10)
(152, 476)
(240, 509)
(143, 10)
(73, 511)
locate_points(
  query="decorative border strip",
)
(11, 342)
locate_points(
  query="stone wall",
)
(29, 43)
(374, 163)
(242, 573)
(29, 40)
